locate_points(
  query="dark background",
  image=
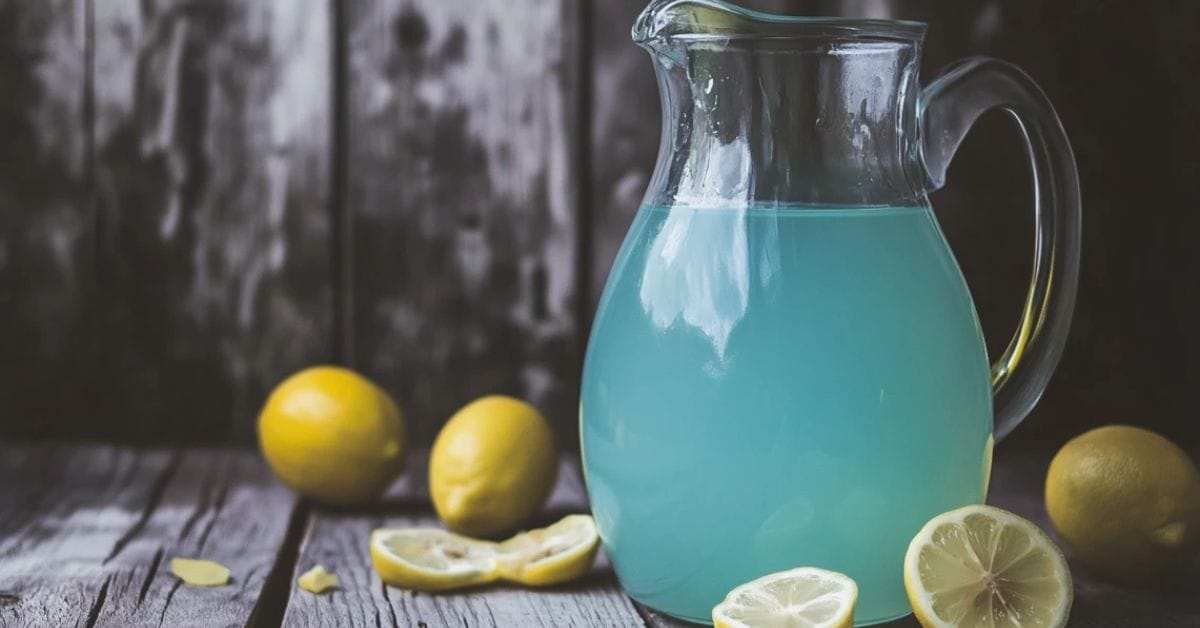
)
(200, 197)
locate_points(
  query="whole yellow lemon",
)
(1127, 501)
(492, 466)
(332, 435)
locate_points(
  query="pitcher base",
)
(707, 621)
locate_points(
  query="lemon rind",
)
(397, 571)
(572, 563)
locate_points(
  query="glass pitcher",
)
(786, 367)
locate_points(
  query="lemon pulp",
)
(429, 559)
(983, 566)
(802, 597)
(557, 553)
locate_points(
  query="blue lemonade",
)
(769, 387)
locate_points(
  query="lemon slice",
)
(804, 597)
(557, 553)
(982, 566)
(429, 559)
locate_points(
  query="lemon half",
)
(983, 566)
(806, 596)
(429, 559)
(557, 553)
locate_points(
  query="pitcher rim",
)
(660, 20)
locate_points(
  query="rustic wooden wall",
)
(200, 196)
(462, 201)
(47, 228)
(165, 197)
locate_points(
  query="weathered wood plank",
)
(220, 505)
(46, 226)
(338, 540)
(463, 206)
(212, 148)
(89, 532)
(65, 510)
(655, 619)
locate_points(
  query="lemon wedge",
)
(557, 553)
(200, 573)
(806, 596)
(430, 559)
(983, 566)
(317, 580)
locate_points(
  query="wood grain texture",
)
(89, 532)
(462, 200)
(46, 225)
(212, 194)
(65, 511)
(655, 619)
(338, 540)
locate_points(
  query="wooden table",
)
(86, 533)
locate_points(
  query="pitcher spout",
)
(666, 20)
(663, 19)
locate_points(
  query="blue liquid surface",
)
(772, 388)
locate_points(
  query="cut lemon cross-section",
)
(557, 553)
(983, 566)
(429, 559)
(804, 597)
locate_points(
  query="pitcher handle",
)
(947, 108)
